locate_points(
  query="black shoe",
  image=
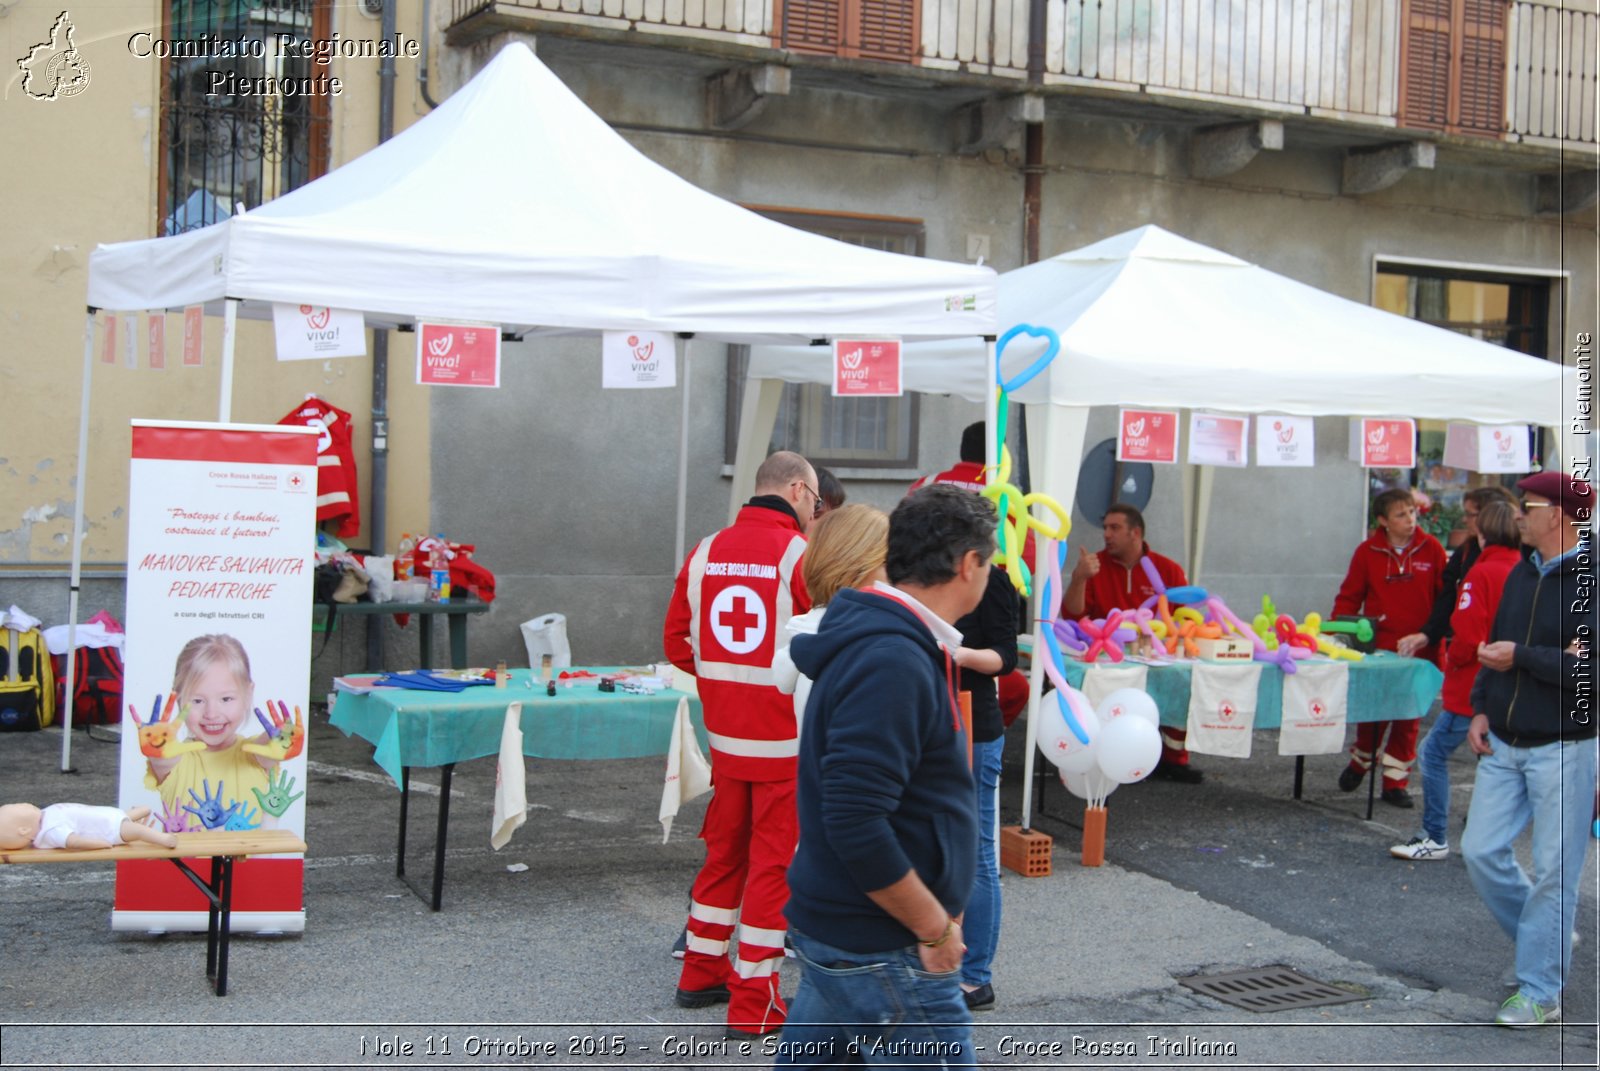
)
(680, 947)
(1350, 778)
(1398, 797)
(1183, 775)
(701, 998)
(979, 999)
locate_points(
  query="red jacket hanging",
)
(336, 463)
(733, 594)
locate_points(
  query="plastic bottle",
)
(438, 572)
(404, 563)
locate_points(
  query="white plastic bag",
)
(380, 577)
(547, 635)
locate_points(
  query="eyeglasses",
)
(816, 499)
(1526, 506)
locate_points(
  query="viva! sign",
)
(458, 355)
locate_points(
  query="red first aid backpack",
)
(97, 688)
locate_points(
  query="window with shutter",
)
(872, 29)
(1453, 65)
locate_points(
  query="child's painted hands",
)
(280, 793)
(284, 739)
(209, 810)
(240, 820)
(158, 738)
(172, 818)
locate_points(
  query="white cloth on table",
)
(688, 772)
(1315, 709)
(510, 782)
(1100, 681)
(1222, 708)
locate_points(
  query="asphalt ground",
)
(565, 963)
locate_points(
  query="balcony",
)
(1520, 71)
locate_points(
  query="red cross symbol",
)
(1226, 709)
(1317, 709)
(738, 620)
(295, 481)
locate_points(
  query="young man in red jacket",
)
(1393, 578)
(1114, 579)
(733, 594)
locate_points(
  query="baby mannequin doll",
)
(76, 825)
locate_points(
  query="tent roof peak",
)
(1151, 242)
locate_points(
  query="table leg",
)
(219, 898)
(425, 637)
(1299, 774)
(458, 640)
(1374, 775)
(405, 806)
(449, 770)
(225, 923)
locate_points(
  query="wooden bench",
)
(221, 846)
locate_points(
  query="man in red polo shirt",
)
(1113, 579)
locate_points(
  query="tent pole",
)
(230, 323)
(758, 415)
(1204, 481)
(77, 542)
(991, 412)
(683, 455)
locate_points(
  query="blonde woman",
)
(845, 548)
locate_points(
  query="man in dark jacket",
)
(888, 822)
(1533, 724)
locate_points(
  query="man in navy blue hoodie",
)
(888, 822)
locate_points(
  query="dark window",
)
(1505, 310)
(839, 432)
(868, 29)
(1453, 65)
(222, 149)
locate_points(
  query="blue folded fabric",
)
(425, 681)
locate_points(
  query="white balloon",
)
(1129, 701)
(1069, 752)
(1128, 750)
(1088, 784)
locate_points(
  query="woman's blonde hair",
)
(200, 654)
(843, 550)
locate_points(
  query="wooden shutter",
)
(1481, 86)
(1453, 65)
(1425, 64)
(873, 29)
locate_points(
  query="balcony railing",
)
(1493, 68)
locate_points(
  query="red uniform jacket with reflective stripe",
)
(1116, 587)
(1395, 588)
(1476, 604)
(733, 594)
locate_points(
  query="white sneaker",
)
(1423, 847)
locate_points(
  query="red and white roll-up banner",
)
(221, 526)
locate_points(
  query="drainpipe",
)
(1032, 193)
(422, 63)
(378, 506)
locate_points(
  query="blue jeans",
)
(981, 925)
(1553, 786)
(1448, 731)
(873, 1008)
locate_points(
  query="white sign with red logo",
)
(130, 340)
(1285, 441)
(1222, 708)
(458, 355)
(1383, 443)
(1148, 435)
(312, 332)
(1315, 700)
(194, 332)
(867, 368)
(1487, 448)
(1215, 439)
(218, 659)
(638, 360)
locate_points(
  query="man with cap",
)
(1533, 726)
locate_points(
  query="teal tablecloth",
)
(1383, 687)
(419, 728)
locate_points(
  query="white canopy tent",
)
(1147, 318)
(514, 204)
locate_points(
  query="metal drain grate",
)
(1267, 989)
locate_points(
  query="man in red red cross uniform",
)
(1114, 579)
(732, 597)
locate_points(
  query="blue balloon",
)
(1053, 347)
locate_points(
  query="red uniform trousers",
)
(1399, 750)
(750, 833)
